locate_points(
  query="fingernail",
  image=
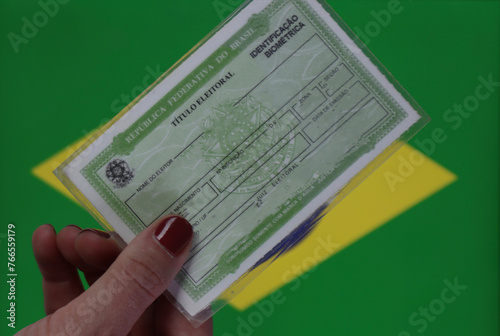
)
(52, 226)
(75, 226)
(100, 233)
(174, 234)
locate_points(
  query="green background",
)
(63, 82)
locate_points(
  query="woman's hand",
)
(126, 287)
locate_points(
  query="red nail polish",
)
(174, 234)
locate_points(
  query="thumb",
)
(134, 281)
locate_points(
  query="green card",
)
(264, 123)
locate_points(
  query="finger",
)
(96, 251)
(170, 321)
(66, 240)
(140, 274)
(61, 282)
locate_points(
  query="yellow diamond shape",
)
(44, 170)
(404, 180)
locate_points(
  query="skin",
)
(126, 286)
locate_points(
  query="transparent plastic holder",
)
(254, 135)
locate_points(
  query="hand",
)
(126, 287)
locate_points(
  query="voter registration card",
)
(266, 121)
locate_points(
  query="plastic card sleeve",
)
(252, 136)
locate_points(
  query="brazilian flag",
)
(413, 250)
